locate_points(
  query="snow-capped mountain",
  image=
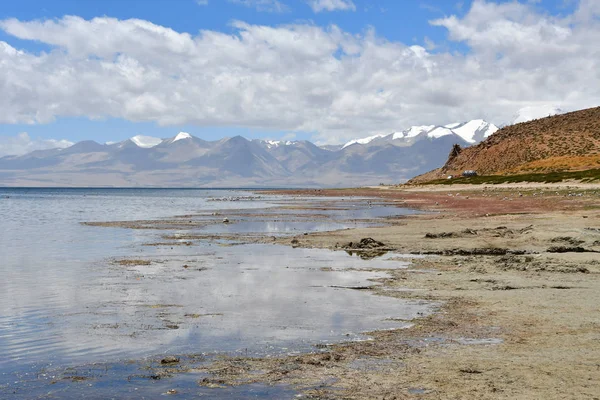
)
(186, 160)
(526, 114)
(178, 137)
(362, 141)
(145, 142)
(471, 132)
(269, 144)
(412, 132)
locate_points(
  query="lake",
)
(74, 295)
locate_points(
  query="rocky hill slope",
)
(567, 142)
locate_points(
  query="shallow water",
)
(65, 302)
(129, 381)
(278, 227)
(344, 214)
(254, 298)
(342, 209)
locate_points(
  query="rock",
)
(567, 249)
(365, 243)
(567, 239)
(492, 251)
(225, 220)
(443, 235)
(169, 360)
(439, 235)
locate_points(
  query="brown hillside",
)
(566, 142)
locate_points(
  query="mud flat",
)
(520, 319)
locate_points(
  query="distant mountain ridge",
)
(471, 132)
(188, 161)
(563, 142)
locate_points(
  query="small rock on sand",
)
(169, 360)
(365, 243)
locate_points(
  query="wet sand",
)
(518, 272)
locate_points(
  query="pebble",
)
(169, 360)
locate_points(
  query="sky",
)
(324, 70)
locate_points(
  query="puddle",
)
(279, 227)
(300, 220)
(342, 210)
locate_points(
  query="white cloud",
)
(302, 77)
(263, 5)
(331, 5)
(22, 144)
(202, 2)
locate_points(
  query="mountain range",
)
(188, 161)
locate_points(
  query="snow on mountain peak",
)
(474, 131)
(276, 143)
(413, 131)
(417, 130)
(535, 112)
(438, 132)
(363, 141)
(181, 136)
(145, 142)
(452, 126)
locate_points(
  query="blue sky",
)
(404, 21)
(395, 23)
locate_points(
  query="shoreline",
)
(515, 275)
(511, 273)
(521, 301)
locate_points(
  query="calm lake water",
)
(66, 303)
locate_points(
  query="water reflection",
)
(367, 254)
(279, 227)
(257, 298)
(64, 301)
